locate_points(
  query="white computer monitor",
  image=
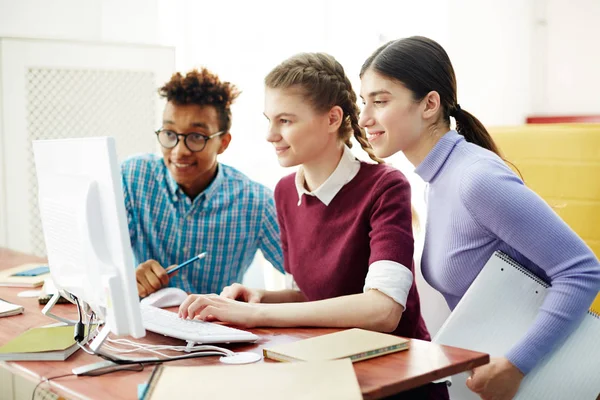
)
(85, 230)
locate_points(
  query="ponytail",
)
(473, 130)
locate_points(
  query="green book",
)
(55, 343)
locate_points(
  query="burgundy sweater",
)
(328, 249)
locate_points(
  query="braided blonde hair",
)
(325, 84)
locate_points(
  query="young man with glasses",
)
(186, 202)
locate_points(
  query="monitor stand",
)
(50, 305)
(89, 369)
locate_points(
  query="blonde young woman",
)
(345, 224)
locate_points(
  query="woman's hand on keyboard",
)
(242, 293)
(212, 307)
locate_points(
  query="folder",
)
(495, 313)
(325, 380)
(355, 344)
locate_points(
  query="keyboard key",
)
(169, 324)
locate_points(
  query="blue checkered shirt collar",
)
(174, 188)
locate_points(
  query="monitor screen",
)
(85, 228)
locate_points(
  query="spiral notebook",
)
(495, 313)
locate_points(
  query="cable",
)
(90, 352)
(78, 308)
(166, 356)
(196, 351)
(79, 327)
(108, 371)
(47, 380)
(187, 349)
(120, 361)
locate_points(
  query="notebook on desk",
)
(355, 344)
(26, 275)
(7, 309)
(498, 309)
(324, 380)
(54, 343)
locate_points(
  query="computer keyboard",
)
(169, 324)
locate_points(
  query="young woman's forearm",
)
(282, 296)
(372, 310)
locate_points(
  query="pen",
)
(152, 380)
(200, 256)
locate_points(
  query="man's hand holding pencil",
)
(151, 276)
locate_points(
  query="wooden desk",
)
(378, 377)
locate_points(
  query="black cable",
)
(78, 308)
(47, 380)
(89, 326)
(79, 327)
(108, 371)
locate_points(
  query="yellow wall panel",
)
(561, 163)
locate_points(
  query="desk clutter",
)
(326, 374)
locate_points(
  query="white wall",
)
(572, 59)
(489, 43)
(130, 21)
(51, 19)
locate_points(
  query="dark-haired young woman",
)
(476, 204)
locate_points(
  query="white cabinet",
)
(52, 89)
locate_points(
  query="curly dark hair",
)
(202, 88)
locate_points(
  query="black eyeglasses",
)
(194, 141)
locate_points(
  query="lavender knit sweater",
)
(477, 205)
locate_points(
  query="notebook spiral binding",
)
(505, 257)
(520, 268)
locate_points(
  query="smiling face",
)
(298, 133)
(391, 116)
(193, 171)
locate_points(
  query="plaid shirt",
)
(231, 219)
